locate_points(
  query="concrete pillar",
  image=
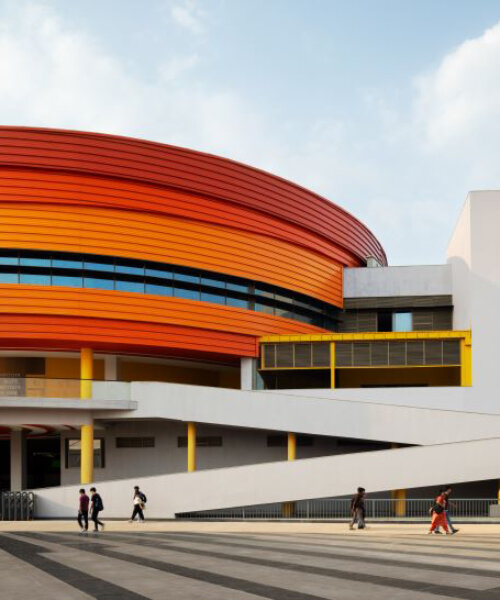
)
(399, 496)
(332, 365)
(246, 373)
(292, 446)
(87, 455)
(400, 502)
(111, 368)
(86, 372)
(87, 431)
(17, 460)
(191, 447)
(288, 508)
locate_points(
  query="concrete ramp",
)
(286, 481)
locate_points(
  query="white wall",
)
(329, 416)
(239, 447)
(285, 481)
(427, 280)
(474, 255)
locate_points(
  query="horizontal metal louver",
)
(303, 356)
(321, 354)
(269, 351)
(343, 354)
(415, 353)
(397, 353)
(433, 352)
(451, 352)
(380, 354)
(423, 320)
(284, 356)
(361, 353)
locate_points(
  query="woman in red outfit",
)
(438, 515)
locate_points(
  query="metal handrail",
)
(17, 506)
(339, 509)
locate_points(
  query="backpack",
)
(142, 496)
(98, 503)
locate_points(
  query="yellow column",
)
(87, 431)
(292, 446)
(191, 447)
(289, 507)
(332, 365)
(400, 502)
(399, 496)
(466, 362)
(86, 372)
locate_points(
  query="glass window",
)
(100, 284)
(32, 279)
(283, 312)
(35, 262)
(213, 282)
(130, 286)
(9, 278)
(266, 294)
(402, 321)
(67, 264)
(237, 287)
(159, 290)
(188, 278)
(185, 293)
(159, 273)
(129, 270)
(237, 302)
(264, 308)
(9, 260)
(216, 298)
(73, 451)
(67, 280)
(92, 266)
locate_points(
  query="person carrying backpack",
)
(438, 515)
(96, 506)
(139, 502)
(358, 509)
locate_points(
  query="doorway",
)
(43, 462)
(4, 465)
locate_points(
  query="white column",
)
(110, 367)
(246, 376)
(17, 460)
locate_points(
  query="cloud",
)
(189, 16)
(403, 167)
(457, 106)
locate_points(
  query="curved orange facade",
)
(108, 196)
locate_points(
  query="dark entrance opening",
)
(43, 462)
(4, 465)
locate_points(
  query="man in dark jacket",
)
(358, 509)
(83, 511)
(95, 508)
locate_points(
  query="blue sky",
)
(390, 109)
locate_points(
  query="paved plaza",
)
(210, 561)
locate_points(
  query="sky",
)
(389, 108)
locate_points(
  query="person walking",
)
(139, 502)
(358, 509)
(96, 506)
(83, 511)
(447, 505)
(438, 514)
